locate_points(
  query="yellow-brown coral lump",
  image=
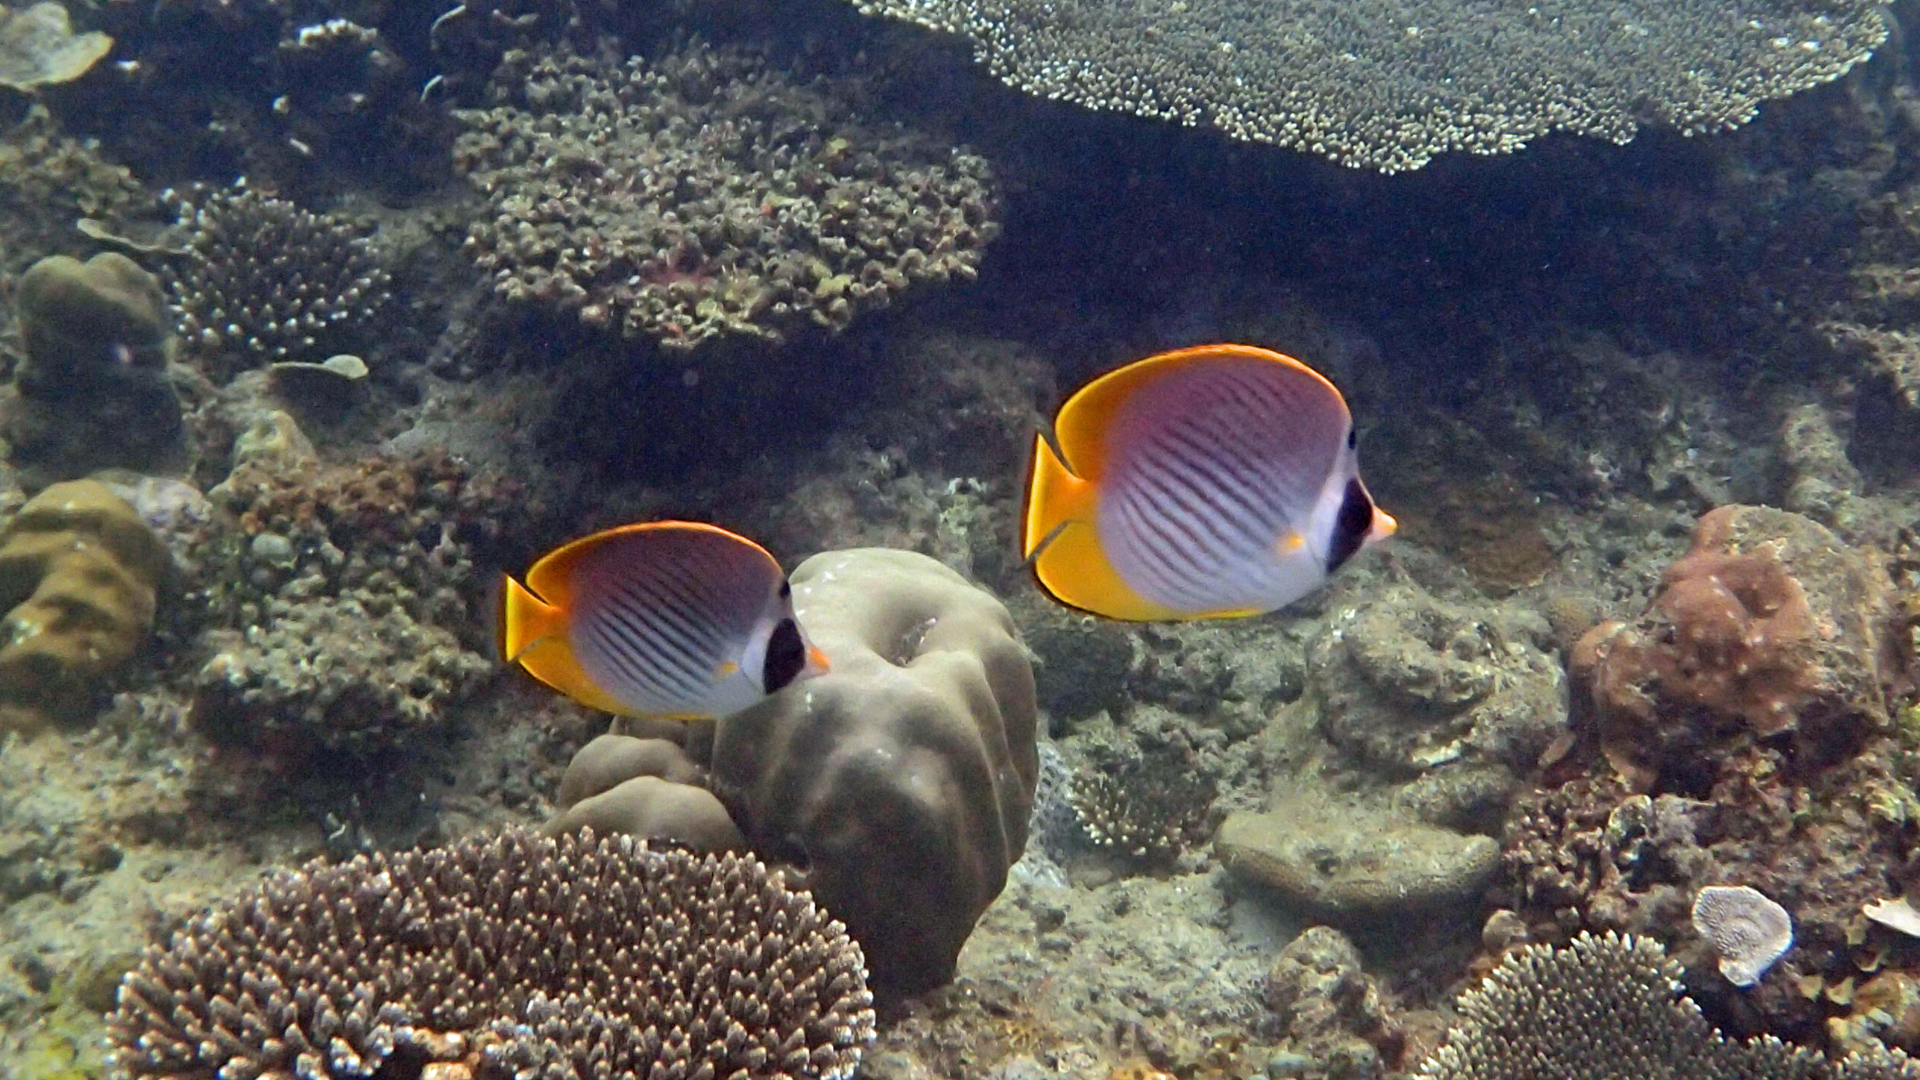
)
(78, 575)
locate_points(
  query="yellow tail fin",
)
(1061, 541)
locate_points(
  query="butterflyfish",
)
(664, 619)
(1209, 482)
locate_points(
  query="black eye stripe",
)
(1350, 526)
(1353, 439)
(786, 656)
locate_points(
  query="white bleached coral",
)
(1745, 927)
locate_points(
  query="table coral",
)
(708, 193)
(1768, 625)
(79, 571)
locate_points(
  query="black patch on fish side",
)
(786, 656)
(1350, 527)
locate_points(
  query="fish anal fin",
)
(1073, 569)
(551, 661)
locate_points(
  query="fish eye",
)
(1353, 439)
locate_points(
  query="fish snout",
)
(1383, 526)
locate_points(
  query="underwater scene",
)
(959, 540)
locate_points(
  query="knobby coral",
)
(707, 193)
(1387, 84)
(503, 956)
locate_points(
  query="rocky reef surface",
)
(353, 307)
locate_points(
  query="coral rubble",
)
(506, 955)
(707, 193)
(79, 572)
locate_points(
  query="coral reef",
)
(1390, 84)
(706, 194)
(1337, 1022)
(93, 389)
(1747, 930)
(78, 575)
(503, 955)
(1608, 1006)
(335, 615)
(903, 778)
(1768, 625)
(265, 279)
(1450, 703)
(48, 180)
(38, 47)
(1146, 809)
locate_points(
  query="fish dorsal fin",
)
(550, 576)
(1086, 416)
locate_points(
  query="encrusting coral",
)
(336, 614)
(706, 193)
(503, 956)
(901, 782)
(1387, 84)
(78, 575)
(1769, 624)
(1607, 1006)
(93, 385)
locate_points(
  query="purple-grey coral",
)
(707, 194)
(265, 279)
(1608, 1006)
(1387, 84)
(503, 956)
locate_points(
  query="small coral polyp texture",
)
(707, 194)
(503, 957)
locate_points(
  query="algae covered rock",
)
(93, 385)
(1769, 626)
(902, 780)
(79, 572)
(1353, 863)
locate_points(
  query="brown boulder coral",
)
(1768, 625)
(902, 779)
(503, 956)
(78, 571)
